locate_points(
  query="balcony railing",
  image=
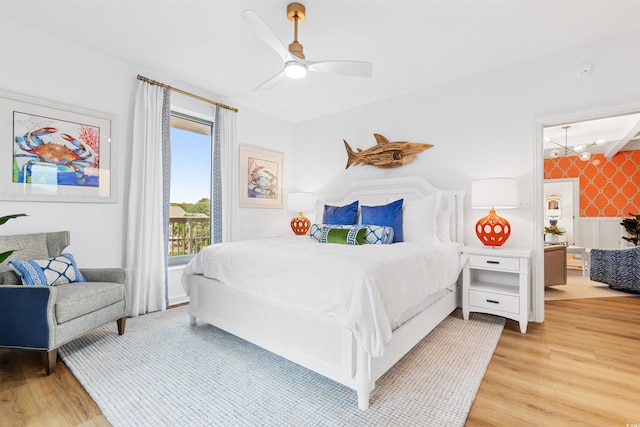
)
(188, 235)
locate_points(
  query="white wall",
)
(602, 232)
(483, 126)
(35, 63)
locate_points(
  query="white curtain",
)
(146, 224)
(224, 176)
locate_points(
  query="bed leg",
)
(363, 378)
(192, 320)
(363, 400)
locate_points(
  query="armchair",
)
(618, 268)
(43, 318)
(555, 265)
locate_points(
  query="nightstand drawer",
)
(497, 262)
(494, 301)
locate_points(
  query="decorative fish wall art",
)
(385, 154)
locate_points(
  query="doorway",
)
(566, 191)
(587, 231)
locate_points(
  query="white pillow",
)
(319, 211)
(419, 219)
(443, 223)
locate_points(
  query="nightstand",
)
(497, 281)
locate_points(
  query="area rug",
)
(163, 371)
(580, 287)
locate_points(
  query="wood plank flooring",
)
(579, 368)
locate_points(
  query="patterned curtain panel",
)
(147, 211)
(224, 175)
(166, 184)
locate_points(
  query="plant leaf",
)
(4, 219)
(5, 255)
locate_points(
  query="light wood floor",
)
(579, 368)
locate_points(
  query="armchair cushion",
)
(77, 299)
(10, 278)
(48, 272)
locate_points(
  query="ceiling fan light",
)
(554, 153)
(585, 156)
(579, 148)
(295, 70)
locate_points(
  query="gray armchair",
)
(45, 317)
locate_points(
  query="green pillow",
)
(345, 236)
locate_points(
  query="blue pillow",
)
(389, 215)
(346, 215)
(48, 272)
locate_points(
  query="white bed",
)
(287, 314)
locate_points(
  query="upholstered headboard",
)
(382, 191)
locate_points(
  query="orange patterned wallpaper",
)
(608, 188)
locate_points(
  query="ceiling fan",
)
(295, 64)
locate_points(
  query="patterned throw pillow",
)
(48, 272)
(374, 234)
(315, 232)
(345, 236)
(378, 235)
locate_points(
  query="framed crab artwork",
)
(55, 152)
(260, 178)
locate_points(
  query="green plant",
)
(553, 229)
(633, 228)
(3, 219)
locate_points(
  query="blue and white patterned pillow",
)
(315, 232)
(48, 272)
(378, 235)
(375, 234)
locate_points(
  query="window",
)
(190, 197)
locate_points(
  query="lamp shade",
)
(299, 202)
(494, 193)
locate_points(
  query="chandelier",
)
(578, 150)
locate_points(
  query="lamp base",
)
(493, 230)
(300, 225)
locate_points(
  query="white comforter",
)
(366, 288)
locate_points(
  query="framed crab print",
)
(260, 179)
(55, 152)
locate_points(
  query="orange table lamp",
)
(299, 202)
(492, 194)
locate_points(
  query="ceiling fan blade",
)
(347, 68)
(263, 31)
(271, 81)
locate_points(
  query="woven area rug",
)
(579, 287)
(163, 371)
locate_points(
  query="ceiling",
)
(412, 44)
(613, 134)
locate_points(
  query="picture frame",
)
(260, 178)
(54, 152)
